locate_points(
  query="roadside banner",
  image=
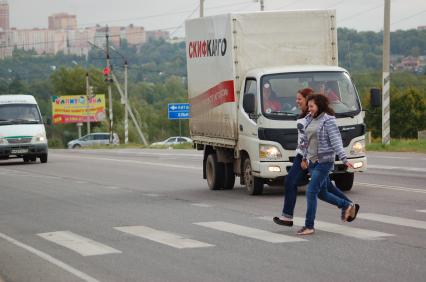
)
(78, 108)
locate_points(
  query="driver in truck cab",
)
(270, 100)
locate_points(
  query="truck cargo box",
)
(222, 49)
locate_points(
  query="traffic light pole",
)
(88, 98)
(109, 88)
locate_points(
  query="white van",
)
(22, 132)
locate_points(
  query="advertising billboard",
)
(78, 108)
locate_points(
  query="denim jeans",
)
(318, 188)
(292, 180)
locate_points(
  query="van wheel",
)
(215, 172)
(43, 158)
(76, 146)
(253, 184)
(229, 177)
(344, 181)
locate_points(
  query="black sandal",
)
(279, 221)
(352, 218)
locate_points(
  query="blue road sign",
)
(178, 110)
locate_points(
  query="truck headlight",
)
(3, 141)
(358, 148)
(269, 152)
(40, 138)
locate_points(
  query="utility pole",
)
(262, 5)
(201, 8)
(88, 94)
(109, 86)
(126, 113)
(386, 77)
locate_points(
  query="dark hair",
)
(305, 92)
(322, 103)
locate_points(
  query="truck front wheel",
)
(253, 184)
(344, 181)
(215, 172)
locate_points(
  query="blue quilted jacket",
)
(329, 139)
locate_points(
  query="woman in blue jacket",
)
(320, 142)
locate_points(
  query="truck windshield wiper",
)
(25, 121)
(284, 113)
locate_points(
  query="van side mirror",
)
(249, 104)
(375, 97)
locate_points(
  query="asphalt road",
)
(147, 215)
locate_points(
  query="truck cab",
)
(267, 130)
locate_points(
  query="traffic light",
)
(107, 72)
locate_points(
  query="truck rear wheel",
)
(215, 173)
(253, 184)
(229, 177)
(344, 181)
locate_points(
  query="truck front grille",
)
(19, 140)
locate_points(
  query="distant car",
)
(93, 139)
(175, 140)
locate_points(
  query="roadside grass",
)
(398, 145)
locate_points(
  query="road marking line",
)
(162, 237)
(393, 220)
(421, 211)
(78, 244)
(249, 232)
(48, 258)
(399, 188)
(387, 167)
(363, 234)
(138, 162)
(201, 205)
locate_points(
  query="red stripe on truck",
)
(215, 96)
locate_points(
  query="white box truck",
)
(22, 132)
(230, 58)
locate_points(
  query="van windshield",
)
(19, 114)
(278, 93)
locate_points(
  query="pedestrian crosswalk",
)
(163, 237)
(273, 234)
(77, 243)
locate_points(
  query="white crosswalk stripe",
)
(249, 232)
(393, 220)
(363, 234)
(78, 244)
(422, 211)
(166, 238)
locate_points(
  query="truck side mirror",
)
(249, 105)
(375, 97)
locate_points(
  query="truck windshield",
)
(278, 93)
(19, 114)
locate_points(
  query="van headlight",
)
(3, 141)
(269, 152)
(41, 138)
(358, 148)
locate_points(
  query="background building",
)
(62, 21)
(4, 15)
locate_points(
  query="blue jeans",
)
(318, 188)
(292, 180)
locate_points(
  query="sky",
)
(170, 15)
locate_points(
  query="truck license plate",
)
(19, 151)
